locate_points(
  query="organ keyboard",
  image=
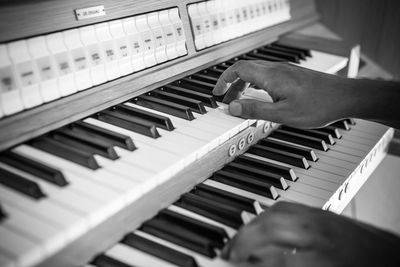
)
(115, 153)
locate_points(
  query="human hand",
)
(301, 97)
(290, 234)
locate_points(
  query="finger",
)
(254, 109)
(235, 91)
(248, 71)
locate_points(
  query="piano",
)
(113, 151)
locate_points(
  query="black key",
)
(158, 250)
(308, 153)
(228, 198)
(243, 182)
(106, 261)
(206, 99)
(279, 54)
(279, 155)
(260, 56)
(84, 142)
(214, 72)
(21, 184)
(284, 171)
(299, 54)
(306, 51)
(300, 139)
(3, 215)
(208, 86)
(35, 168)
(219, 212)
(342, 124)
(313, 133)
(204, 78)
(54, 147)
(217, 235)
(160, 121)
(164, 106)
(128, 122)
(194, 105)
(258, 174)
(332, 130)
(179, 235)
(114, 138)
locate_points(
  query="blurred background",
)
(375, 24)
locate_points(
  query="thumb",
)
(255, 109)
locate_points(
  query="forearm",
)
(375, 100)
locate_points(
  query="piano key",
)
(106, 261)
(300, 139)
(24, 251)
(83, 142)
(162, 122)
(115, 138)
(179, 235)
(204, 78)
(306, 51)
(332, 131)
(33, 167)
(2, 213)
(43, 233)
(216, 234)
(164, 106)
(184, 84)
(200, 259)
(250, 172)
(213, 71)
(350, 121)
(299, 53)
(195, 105)
(264, 201)
(206, 99)
(313, 133)
(286, 172)
(64, 151)
(279, 54)
(191, 82)
(128, 122)
(306, 152)
(280, 155)
(256, 55)
(80, 202)
(243, 182)
(160, 251)
(243, 203)
(342, 124)
(68, 222)
(225, 214)
(21, 184)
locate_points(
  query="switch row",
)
(217, 21)
(44, 68)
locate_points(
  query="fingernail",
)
(235, 108)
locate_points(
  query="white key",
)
(103, 177)
(324, 62)
(134, 257)
(44, 234)
(72, 224)
(229, 230)
(25, 251)
(200, 259)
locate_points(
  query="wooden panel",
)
(31, 123)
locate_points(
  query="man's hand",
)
(290, 234)
(302, 98)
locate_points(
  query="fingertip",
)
(235, 108)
